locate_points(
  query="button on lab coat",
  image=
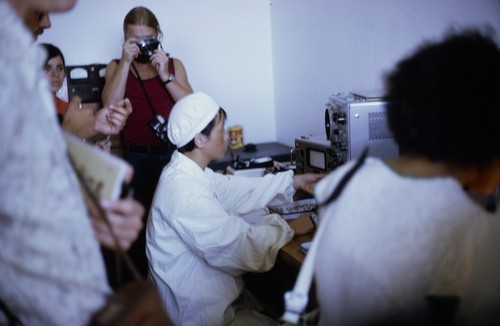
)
(197, 245)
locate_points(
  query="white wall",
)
(272, 64)
(322, 47)
(225, 46)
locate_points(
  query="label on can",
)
(235, 137)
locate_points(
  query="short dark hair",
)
(443, 101)
(206, 131)
(53, 51)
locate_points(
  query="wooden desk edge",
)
(291, 253)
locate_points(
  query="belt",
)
(150, 149)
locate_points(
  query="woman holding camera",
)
(153, 82)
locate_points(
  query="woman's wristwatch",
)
(170, 78)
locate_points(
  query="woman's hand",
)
(79, 120)
(110, 120)
(125, 217)
(130, 50)
(303, 224)
(306, 181)
(104, 145)
(159, 60)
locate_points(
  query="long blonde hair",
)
(142, 16)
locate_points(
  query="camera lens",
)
(146, 48)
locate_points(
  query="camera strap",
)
(145, 91)
(155, 114)
(296, 299)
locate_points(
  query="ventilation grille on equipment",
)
(377, 126)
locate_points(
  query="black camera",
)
(147, 47)
(159, 127)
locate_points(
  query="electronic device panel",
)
(352, 123)
(314, 155)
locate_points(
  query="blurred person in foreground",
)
(51, 265)
(198, 245)
(37, 21)
(407, 242)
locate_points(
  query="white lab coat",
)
(197, 245)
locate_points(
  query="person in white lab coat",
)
(197, 244)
